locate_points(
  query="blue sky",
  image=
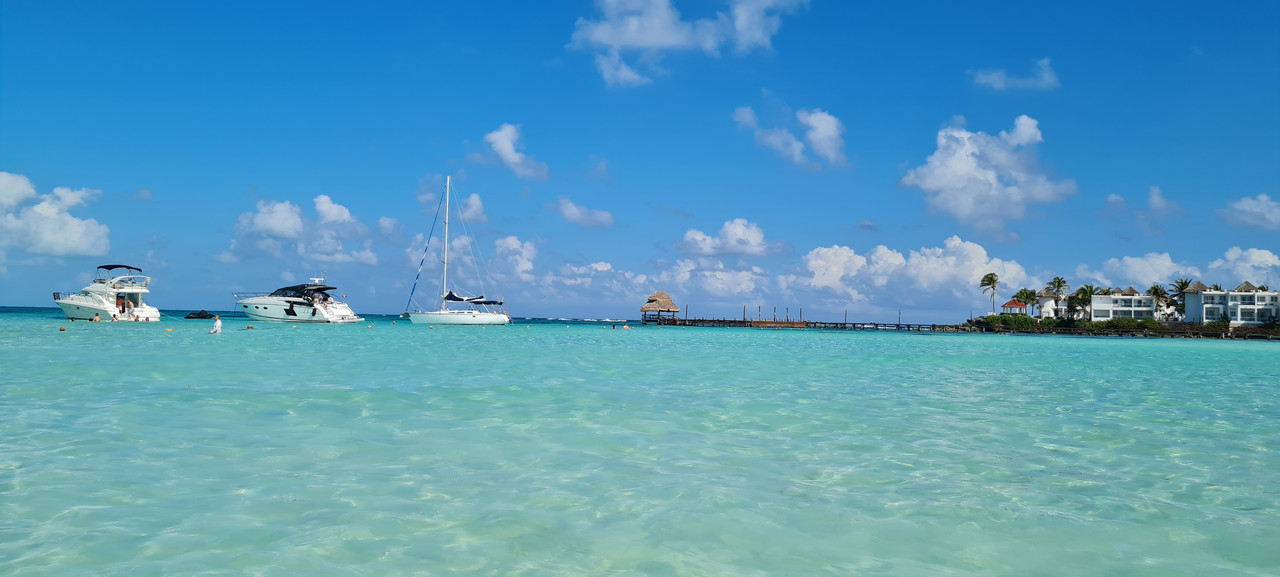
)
(830, 156)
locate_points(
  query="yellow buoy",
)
(62, 329)
(168, 330)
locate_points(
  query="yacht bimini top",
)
(302, 291)
(107, 271)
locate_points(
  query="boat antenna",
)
(424, 255)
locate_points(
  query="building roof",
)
(1246, 287)
(1130, 292)
(1046, 293)
(659, 302)
(1013, 304)
(1196, 287)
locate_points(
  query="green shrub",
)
(1013, 321)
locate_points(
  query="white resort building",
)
(1125, 304)
(1051, 304)
(1244, 305)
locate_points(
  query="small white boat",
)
(302, 303)
(110, 297)
(476, 310)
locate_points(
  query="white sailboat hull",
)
(461, 317)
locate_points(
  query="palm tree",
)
(1084, 298)
(1059, 287)
(1028, 297)
(1178, 290)
(1215, 287)
(1160, 297)
(991, 283)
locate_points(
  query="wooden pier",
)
(798, 324)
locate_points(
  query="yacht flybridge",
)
(114, 295)
(302, 303)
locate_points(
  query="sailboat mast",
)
(444, 282)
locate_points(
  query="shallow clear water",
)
(547, 449)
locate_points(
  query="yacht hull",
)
(448, 317)
(267, 309)
(84, 309)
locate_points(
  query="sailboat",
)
(455, 309)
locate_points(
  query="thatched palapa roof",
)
(659, 302)
(1196, 287)
(1246, 287)
(1130, 292)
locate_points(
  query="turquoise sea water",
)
(554, 449)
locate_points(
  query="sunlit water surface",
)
(579, 449)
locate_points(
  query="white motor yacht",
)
(302, 303)
(111, 296)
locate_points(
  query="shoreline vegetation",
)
(1018, 323)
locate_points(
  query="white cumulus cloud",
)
(737, 236)
(830, 267)
(331, 211)
(984, 180)
(472, 209)
(47, 226)
(1257, 212)
(275, 226)
(279, 219)
(616, 72)
(654, 27)
(958, 266)
(823, 134)
(1254, 265)
(513, 259)
(584, 216)
(505, 142)
(723, 282)
(14, 190)
(1139, 271)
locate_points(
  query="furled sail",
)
(453, 297)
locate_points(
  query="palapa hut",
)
(659, 302)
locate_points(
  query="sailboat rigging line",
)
(424, 255)
(476, 255)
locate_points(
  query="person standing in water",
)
(217, 325)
